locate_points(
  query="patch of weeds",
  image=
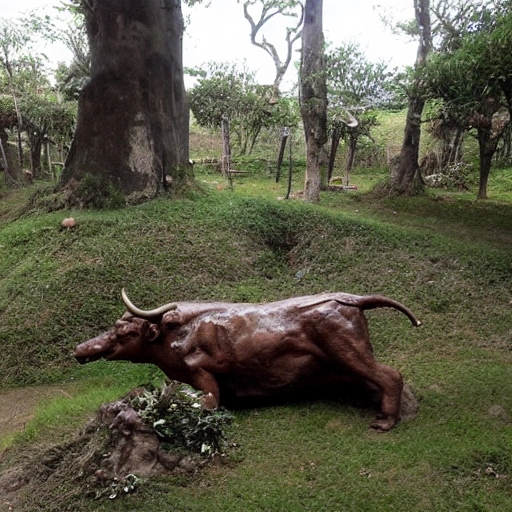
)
(94, 192)
(495, 465)
(45, 199)
(177, 414)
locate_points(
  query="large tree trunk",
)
(487, 148)
(132, 128)
(351, 153)
(335, 143)
(313, 97)
(408, 178)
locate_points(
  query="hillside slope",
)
(59, 287)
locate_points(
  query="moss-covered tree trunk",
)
(488, 135)
(313, 96)
(487, 148)
(408, 179)
(132, 128)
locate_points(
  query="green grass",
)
(443, 255)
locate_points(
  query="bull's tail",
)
(361, 301)
(378, 301)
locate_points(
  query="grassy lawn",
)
(444, 255)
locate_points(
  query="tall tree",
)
(474, 81)
(269, 9)
(132, 127)
(313, 96)
(407, 179)
(355, 86)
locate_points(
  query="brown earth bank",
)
(104, 459)
(17, 406)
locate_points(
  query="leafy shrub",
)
(176, 413)
(454, 176)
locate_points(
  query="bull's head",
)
(129, 337)
(125, 341)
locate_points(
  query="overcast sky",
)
(221, 33)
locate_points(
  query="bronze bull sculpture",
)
(257, 350)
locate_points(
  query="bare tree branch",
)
(269, 9)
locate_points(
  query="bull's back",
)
(282, 347)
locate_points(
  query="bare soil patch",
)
(17, 406)
(104, 460)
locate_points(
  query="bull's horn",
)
(143, 313)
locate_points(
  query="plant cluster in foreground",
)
(177, 414)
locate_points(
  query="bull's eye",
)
(124, 337)
(126, 329)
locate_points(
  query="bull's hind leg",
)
(386, 379)
(344, 337)
(390, 383)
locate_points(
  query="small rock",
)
(68, 222)
(409, 405)
(499, 412)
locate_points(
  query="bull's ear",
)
(153, 332)
(172, 317)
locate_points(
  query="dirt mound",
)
(106, 459)
(17, 406)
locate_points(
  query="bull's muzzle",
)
(87, 359)
(92, 350)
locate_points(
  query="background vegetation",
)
(443, 255)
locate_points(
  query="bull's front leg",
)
(204, 358)
(207, 383)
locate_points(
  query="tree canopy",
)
(474, 80)
(29, 103)
(353, 81)
(225, 89)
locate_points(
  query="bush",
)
(454, 176)
(177, 414)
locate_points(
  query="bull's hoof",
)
(383, 424)
(209, 402)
